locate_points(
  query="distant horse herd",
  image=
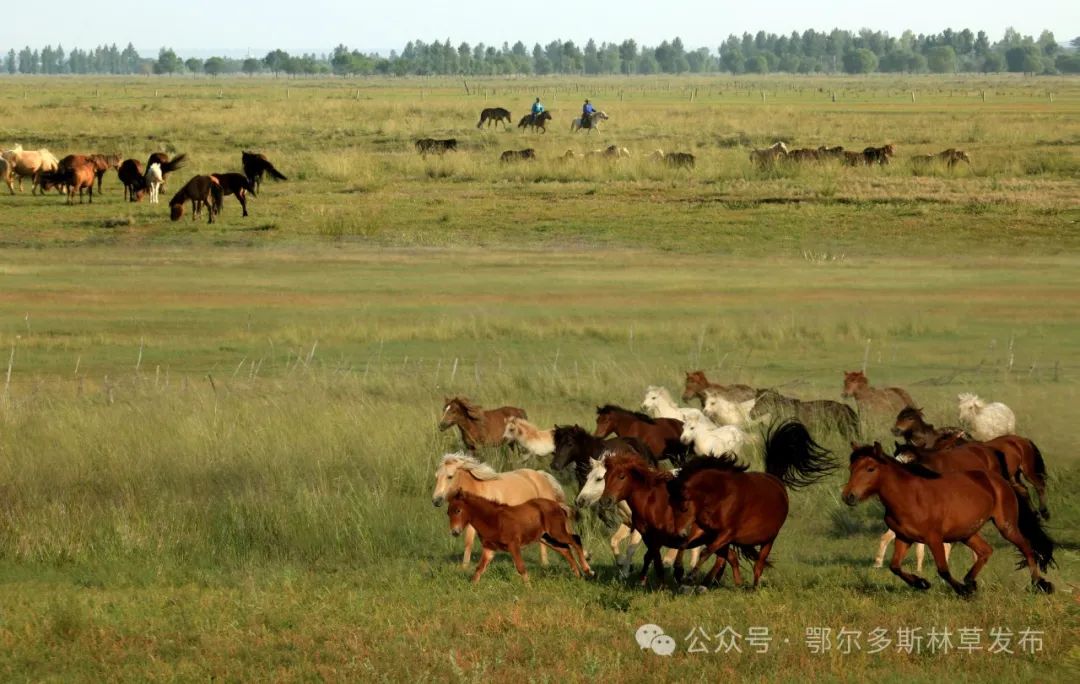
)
(79, 173)
(778, 152)
(938, 486)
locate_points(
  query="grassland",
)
(216, 444)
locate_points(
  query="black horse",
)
(255, 165)
(495, 114)
(573, 444)
(435, 146)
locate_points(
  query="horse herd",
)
(77, 173)
(938, 486)
(778, 152)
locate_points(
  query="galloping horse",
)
(594, 122)
(534, 121)
(871, 399)
(934, 508)
(574, 445)
(494, 114)
(823, 413)
(660, 435)
(697, 383)
(478, 428)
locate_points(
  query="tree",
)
(757, 64)
(215, 66)
(250, 66)
(1068, 63)
(993, 63)
(193, 64)
(12, 62)
(941, 59)
(1048, 44)
(628, 54)
(1026, 59)
(860, 61)
(167, 62)
(277, 60)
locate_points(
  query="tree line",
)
(808, 52)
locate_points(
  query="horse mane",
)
(568, 433)
(612, 408)
(727, 462)
(478, 469)
(911, 413)
(638, 467)
(472, 411)
(915, 468)
(919, 470)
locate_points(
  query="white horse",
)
(710, 440)
(597, 117)
(985, 421)
(658, 403)
(590, 493)
(533, 440)
(725, 411)
(154, 180)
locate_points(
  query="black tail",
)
(1041, 543)
(750, 553)
(1003, 466)
(218, 197)
(173, 164)
(792, 456)
(1040, 464)
(274, 173)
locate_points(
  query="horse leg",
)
(470, 535)
(1012, 533)
(982, 551)
(616, 539)
(565, 553)
(716, 545)
(1038, 480)
(240, 195)
(519, 563)
(543, 556)
(883, 543)
(900, 549)
(937, 548)
(485, 558)
(759, 566)
(733, 561)
(628, 555)
(650, 554)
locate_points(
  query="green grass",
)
(217, 442)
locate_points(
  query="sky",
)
(318, 25)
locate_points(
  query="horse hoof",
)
(920, 584)
(965, 590)
(1044, 586)
(879, 564)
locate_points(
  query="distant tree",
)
(757, 64)
(167, 62)
(12, 62)
(1026, 59)
(860, 61)
(1075, 43)
(628, 54)
(1048, 44)
(215, 66)
(193, 64)
(277, 60)
(941, 59)
(993, 63)
(251, 66)
(1068, 63)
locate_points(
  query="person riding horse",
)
(537, 110)
(587, 110)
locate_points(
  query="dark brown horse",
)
(879, 155)
(734, 507)
(516, 155)
(494, 114)
(508, 528)
(533, 121)
(871, 399)
(825, 414)
(697, 383)
(167, 165)
(131, 175)
(923, 506)
(574, 445)
(680, 160)
(427, 146)
(911, 425)
(661, 436)
(236, 184)
(201, 191)
(478, 427)
(255, 165)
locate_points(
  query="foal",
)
(508, 528)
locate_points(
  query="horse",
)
(508, 528)
(769, 155)
(804, 154)
(202, 191)
(102, 163)
(236, 184)
(879, 155)
(535, 441)
(854, 158)
(676, 160)
(134, 180)
(611, 152)
(836, 152)
(5, 174)
(660, 435)
(709, 440)
(32, 163)
(697, 383)
(573, 444)
(515, 155)
(77, 176)
(824, 413)
(950, 157)
(659, 404)
(934, 508)
(168, 165)
(435, 146)
(593, 123)
(739, 509)
(494, 114)
(478, 427)
(535, 121)
(985, 421)
(871, 399)
(718, 407)
(912, 426)
(255, 165)
(154, 181)
(460, 472)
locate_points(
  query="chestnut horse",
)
(870, 399)
(934, 508)
(202, 191)
(102, 163)
(459, 472)
(74, 172)
(574, 445)
(478, 428)
(697, 383)
(508, 528)
(736, 508)
(661, 436)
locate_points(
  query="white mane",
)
(478, 469)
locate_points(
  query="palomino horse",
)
(872, 400)
(594, 122)
(535, 121)
(255, 165)
(29, 163)
(459, 472)
(825, 414)
(533, 440)
(201, 191)
(502, 527)
(660, 435)
(934, 508)
(478, 428)
(236, 184)
(494, 114)
(736, 508)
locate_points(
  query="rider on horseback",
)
(586, 114)
(537, 110)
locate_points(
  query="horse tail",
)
(274, 173)
(1040, 464)
(172, 165)
(793, 457)
(1032, 530)
(750, 553)
(557, 490)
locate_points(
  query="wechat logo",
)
(652, 637)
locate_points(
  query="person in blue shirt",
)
(586, 114)
(537, 109)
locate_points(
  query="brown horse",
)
(77, 175)
(734, 507)
(911, 425)
(517, 155)
(872, 400)
(574, 445)
(535, 121)
(131, 175)
(478, 428)
(234, 184)
(661, 436)
(102, 163)
(494, 114)
(697, 383)
(256, 165)
(934, 508)
(202, 191)
(879, 155)
(508, 528)
(435, 146)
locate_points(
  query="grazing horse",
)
(255, 165)
(494, 115)
(516, 155)
(879, 155)
(697, 383)
(660, 435)
(134, 180)
(508, 528)
(78, 175)
(836, 152)
(823, 413)
(236, 184)
(611, 152)
(768, 156)
(460, 472)
(435, 146)
(478, 427)
(985, 421)
(29, 163)
(871, 399)
(854, 158)
(202, 191)
(934, 508)
(102, 163)
(804, 154)
(534, 121)
(592, 125)
(573, 444)
(154, 180)
(736, 508)
(707, 439)
(534, 441)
